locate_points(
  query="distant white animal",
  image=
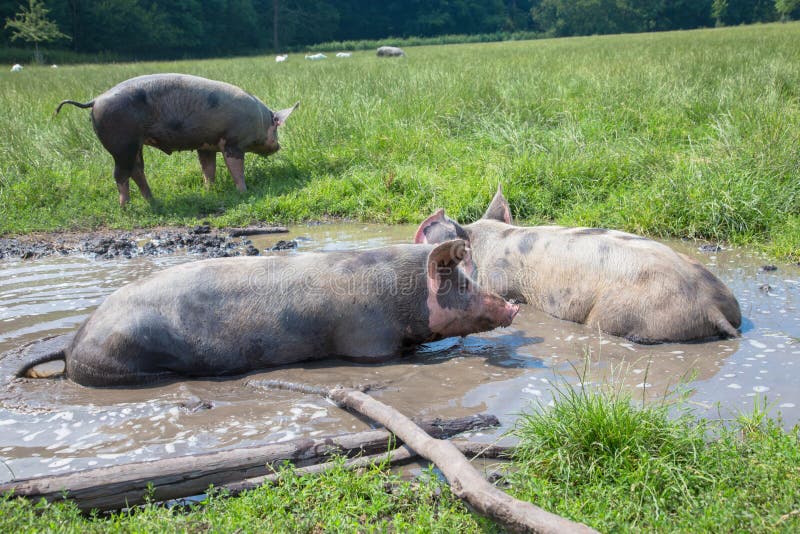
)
(390, 51)
(54, 66)
(281, 59)
(315, 57)
(16, 68)
(343, 54)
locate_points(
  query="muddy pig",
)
(624, 284)
(230, 316)
(175, 112)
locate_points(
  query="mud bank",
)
(201, 240)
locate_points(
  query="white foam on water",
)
(66, 416)
(62, 432)
(757, 344)
(787, 405)
(31, 437)
(289, 436)
(760, 389)
(734, 386)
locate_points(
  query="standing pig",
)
(174, 112)
(624, 284)
(233, 315)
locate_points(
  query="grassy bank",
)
(691, 134)
(594, 457)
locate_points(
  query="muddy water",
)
(52, 426)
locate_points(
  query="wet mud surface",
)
(53, 426)
(201, 240)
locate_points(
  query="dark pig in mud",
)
(230, 316)
(174, 112)
(623, 284)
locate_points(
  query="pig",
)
(229, 316)
(390, 51)
(173, 112)
(623, 284)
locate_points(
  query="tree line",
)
(205, 28)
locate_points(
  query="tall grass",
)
(690, 134)
(598, 457)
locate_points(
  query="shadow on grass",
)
(263, 181)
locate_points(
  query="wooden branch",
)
(464, 480)
(256, 230)
(115, 487)
(401, 454)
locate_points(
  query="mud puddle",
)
(53, 426)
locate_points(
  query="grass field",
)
(689, 134)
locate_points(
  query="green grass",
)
(595, 457)
(690, 134)
(337, 501)
(598, 458)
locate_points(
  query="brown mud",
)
(201, 240)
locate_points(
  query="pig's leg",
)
(234, 159)
(208, 162)
(125, 154)
(138, 176)
(122, 173)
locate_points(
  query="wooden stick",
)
(399, 455)
(464, 480)
(238, 232)
(115, 487)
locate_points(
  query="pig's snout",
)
(501, 312)
(509, 311)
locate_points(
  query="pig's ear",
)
(279, 117)
(445, 257)
(436, 218)
(498, 209)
